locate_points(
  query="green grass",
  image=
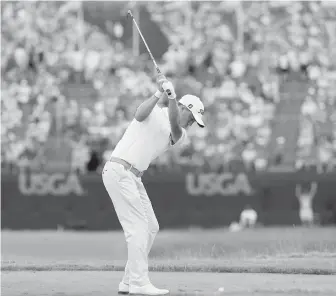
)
(272, 250)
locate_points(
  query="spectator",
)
(249, 156)
(306, 212)
(325, 156)
(279, 151)
(94, 162)
(248, 217)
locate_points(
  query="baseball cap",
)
(196, 107)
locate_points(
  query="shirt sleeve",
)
(182, 140)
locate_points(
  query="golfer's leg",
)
(153, 225)
(126, 199)
(126, 274)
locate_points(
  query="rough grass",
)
(271, 250)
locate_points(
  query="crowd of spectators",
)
(317, 138)
(225, 54)
(42, 61)
(241, 84)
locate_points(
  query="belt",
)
(127, 166)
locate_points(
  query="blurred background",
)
(73, 73)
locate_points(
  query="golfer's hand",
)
(160, 79)
(169, 90)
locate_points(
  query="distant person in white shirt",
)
(306, 208)
(248, 217)
(160, 123)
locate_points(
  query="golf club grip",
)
(159, 72)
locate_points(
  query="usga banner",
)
(46, 200)
(210, 184)
(32, 183)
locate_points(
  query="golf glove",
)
(160, 79)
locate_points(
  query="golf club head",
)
(129, 14)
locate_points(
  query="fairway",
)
(276, 250)
(105, 283)
(270, 261)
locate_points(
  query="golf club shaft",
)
(144, 41)
(148, 50)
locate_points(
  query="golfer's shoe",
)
(123, 289)
(148, 290)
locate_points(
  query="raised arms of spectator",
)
(298, 191)
(313, 189)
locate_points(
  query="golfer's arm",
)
(146, 108)
(173, 112)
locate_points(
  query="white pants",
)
(306, 215)
(136, 216)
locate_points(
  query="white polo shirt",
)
(144, 141)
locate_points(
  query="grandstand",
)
(70, 81)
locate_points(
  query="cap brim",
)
(198, 119)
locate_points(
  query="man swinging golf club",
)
(159, 124)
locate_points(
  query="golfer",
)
(154, 129)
